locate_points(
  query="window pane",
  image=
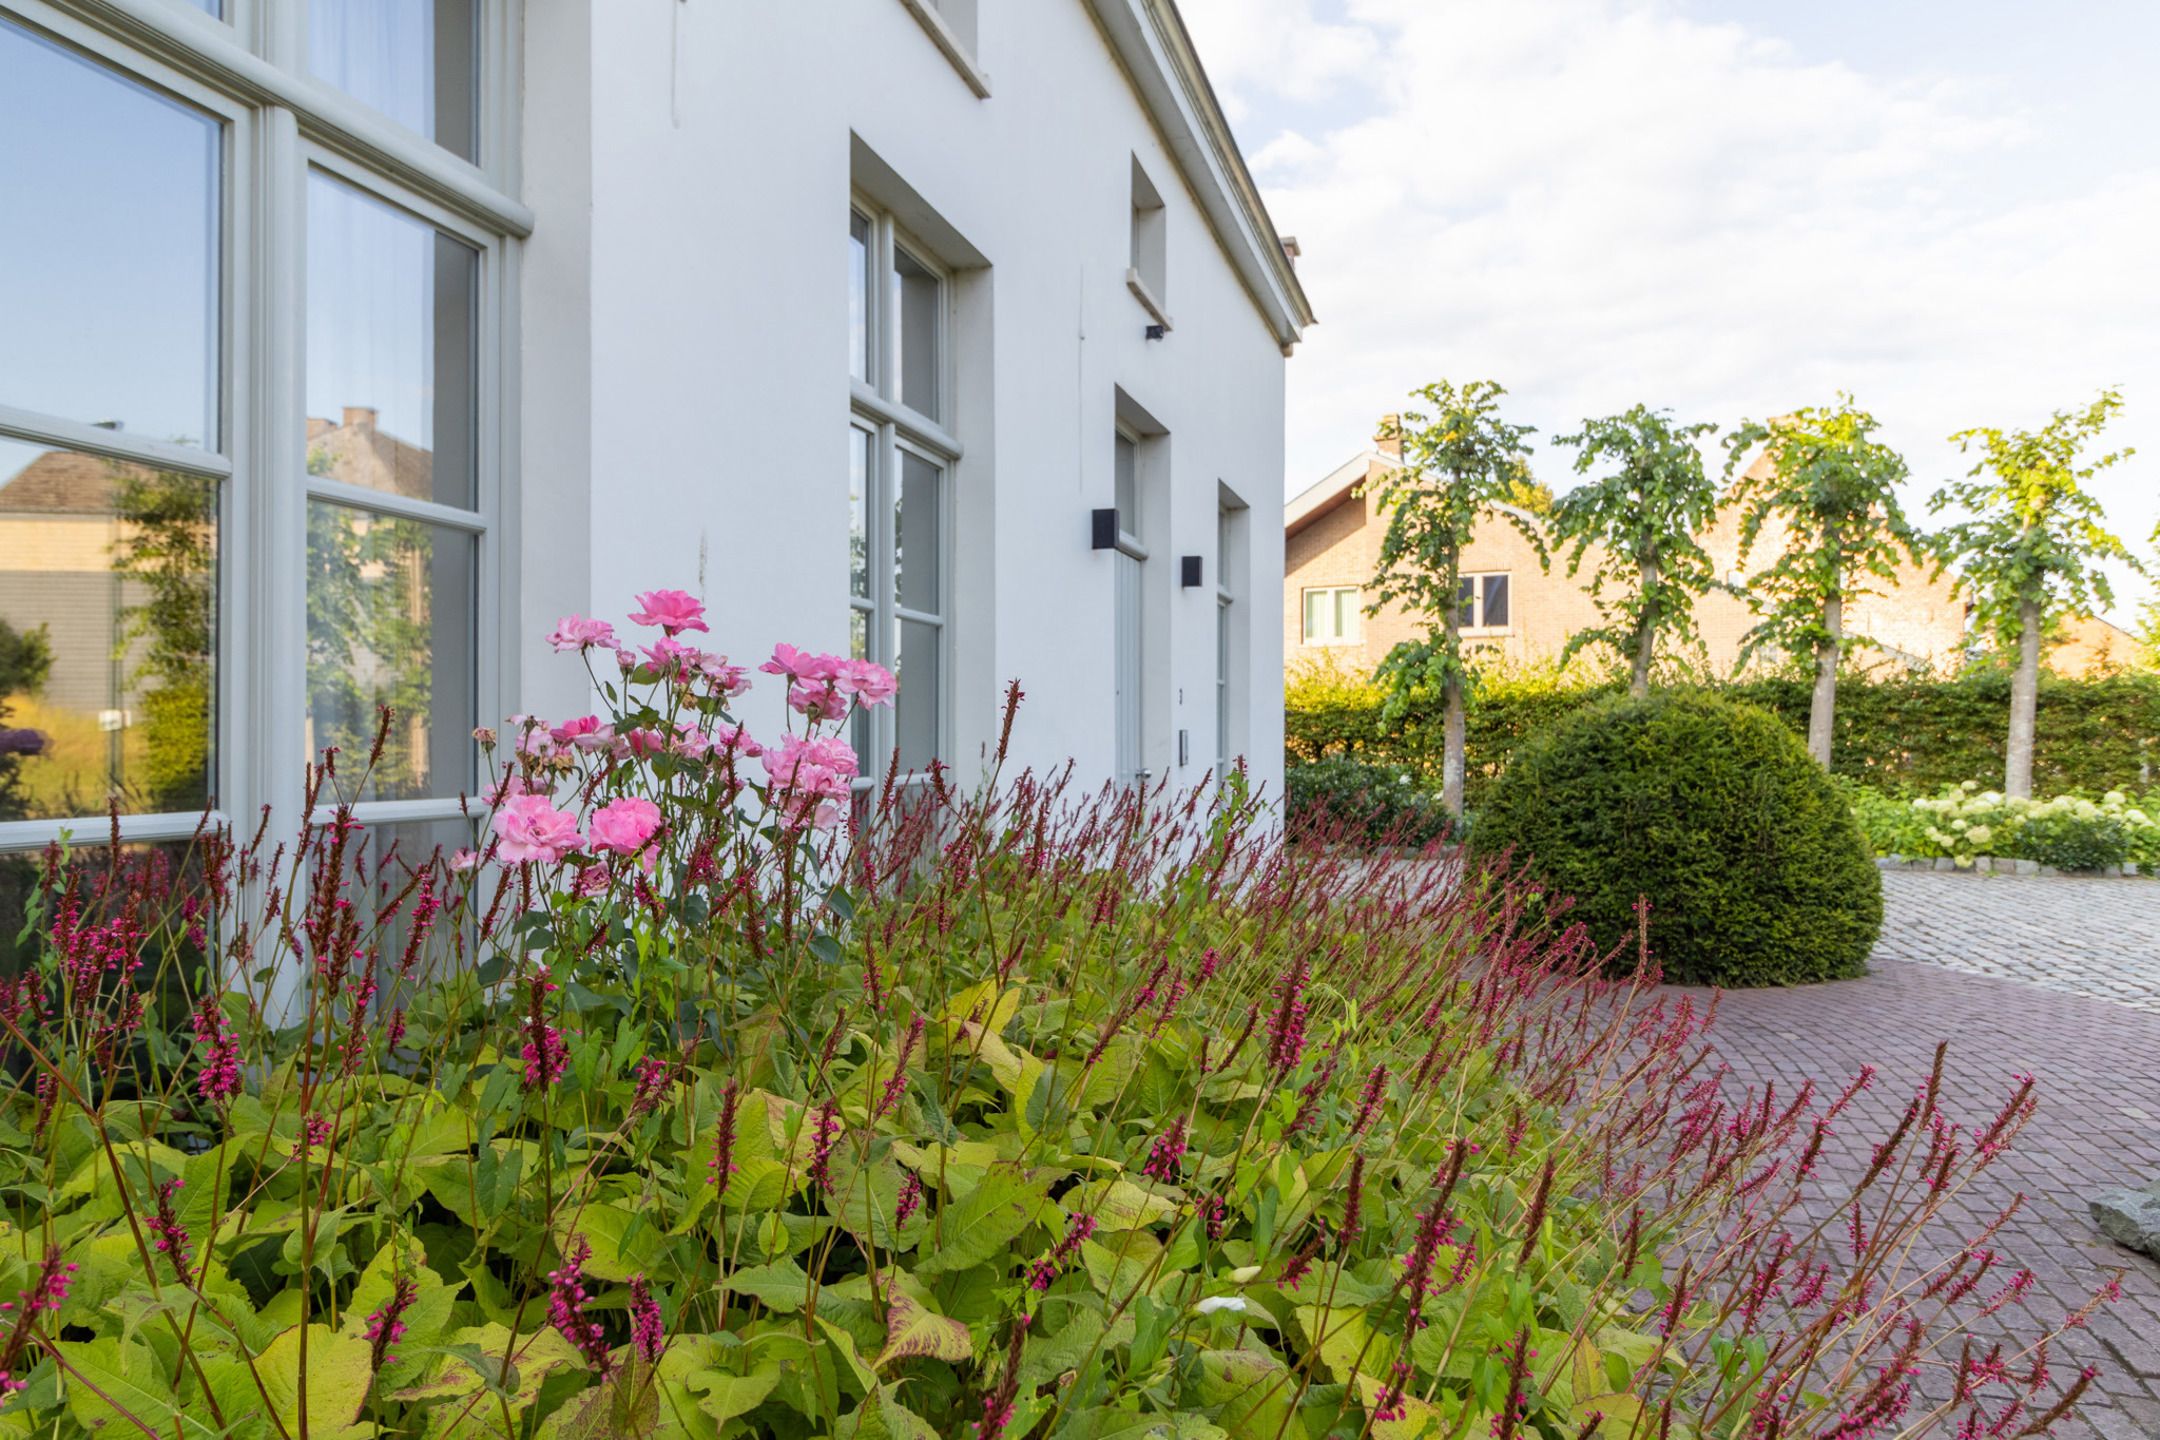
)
(1346, 614)
(915, 708)
(1316, 614)
(391, 345)
(1496, 601)
(414, 60)
(1222, 685)
(390, 622)
(108, 588)
(859, 511)
(859, 722)
(1466, 592)
(1126, 494)
(109, 276)
(915, 535)
(915, 332)
(858, 296)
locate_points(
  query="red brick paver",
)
(2098, 1065)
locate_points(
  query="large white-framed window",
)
(254, 415)
(1485, 603)
(901, 457)
(1333, 614)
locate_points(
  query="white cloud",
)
(1604, 201)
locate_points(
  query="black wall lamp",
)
(1105, 529)
(1188, 571)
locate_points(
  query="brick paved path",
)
(2087, 937)
(2098, 1063)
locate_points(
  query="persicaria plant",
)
(701, 1092)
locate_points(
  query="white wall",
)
(686, 385)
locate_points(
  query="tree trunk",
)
(1822, 710)
(1451, 690)
(2024, 702)
(1645, 634)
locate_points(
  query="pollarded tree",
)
(1459, 460)
(1643, 517)
(2030, 546)
(1834, 487)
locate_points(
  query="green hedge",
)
(1902, 735)
(1755, 870)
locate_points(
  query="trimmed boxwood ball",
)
(1756, 870)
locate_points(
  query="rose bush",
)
(703, 1096)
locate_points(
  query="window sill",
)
(949, 43)
(1329, 644)
(1147, 299)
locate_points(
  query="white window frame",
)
(896, 428)
(250, 70)
(1356, 635)
(1476, 579)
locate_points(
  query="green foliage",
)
(1899, 733)
(1459, 460)
(680, 1113)
(1351, 800)
(1964, 823)
(1643, 518)
(1754, 869)
(2033, 534)
(1834, 486)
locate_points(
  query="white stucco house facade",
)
(951, 334)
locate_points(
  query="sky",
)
(1730, 208)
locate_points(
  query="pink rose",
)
(726, 679)
(801, 664)
(672, 610)
(868, 682)
(667, 654)
(586, 733)
(646, 742)
(734, 740)
(531, 828)
(820, 700)
(690, 742)
(576, 632)
(464, 859)
(624, 826)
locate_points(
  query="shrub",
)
(1367, 804)
(1964, 822)
(1753, 866)
(679, 1110)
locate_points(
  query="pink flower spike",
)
(531, 828)
(672, 610)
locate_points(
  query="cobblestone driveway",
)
(2010, 970)
(2086, 937)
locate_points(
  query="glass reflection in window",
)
(108, 609)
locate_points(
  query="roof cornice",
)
(1149, 36)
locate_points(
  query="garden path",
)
(2055, 977)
